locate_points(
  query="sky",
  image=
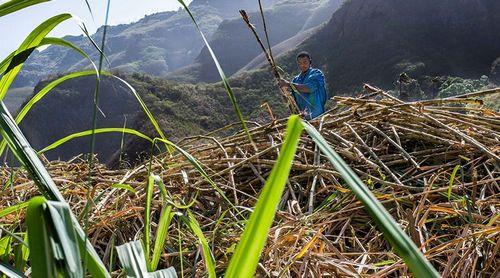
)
(16, 26)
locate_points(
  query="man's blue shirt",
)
(313, 103)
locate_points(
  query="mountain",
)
(235, 45)
(157, 44)
(374, 41)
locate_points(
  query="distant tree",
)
(456, 86)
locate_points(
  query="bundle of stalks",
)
(433, 164)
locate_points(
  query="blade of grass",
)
(452, 179)
(96, 131)
(208, 258)
(125, 187)
(54, 250)
(403, 245)
(9, 271)
(32, 40)
(14, 59)
(47, 89)
(247, 254)
(21, 254)
(145, 109)
(166, 216)
(30, 161)
(89, 203)
(221, 73)
(8, 210)
(147, 214)
(16, 5)
(132, 258)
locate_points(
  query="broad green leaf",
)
(32, 40)
(147, 214)
(132, 258)
(403, 245)
(21, 254)
(30, 161)
(166, 216)
(246, 257)
(14, 59)
(54, 249)
(208, 258)
(9, 271)
(97, 131)
(15, 5)
(124, 186)
(221, 73)
(11, 209)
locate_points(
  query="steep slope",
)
(156, 44)
(235, 45)
(374, 41)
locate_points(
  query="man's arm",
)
(300, 87)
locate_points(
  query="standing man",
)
(310, 89)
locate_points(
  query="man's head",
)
(304, 61)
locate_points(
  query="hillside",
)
(374, 41)
(157, 44)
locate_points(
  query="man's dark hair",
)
(303, 54)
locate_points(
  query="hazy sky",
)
(16, 26)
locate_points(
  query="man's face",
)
(303, 63)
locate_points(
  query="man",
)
(310, 84)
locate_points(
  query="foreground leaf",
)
(54, 249)
(32, 40)
(16, 5)
(208, 258)
(246, 257)
(134, 262)
(97, 131)
(9, 271)
(166, 216)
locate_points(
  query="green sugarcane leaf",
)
(32, 40)
(208, 258)
(97, 131)
(54, 249)
(132, 258)
(16, 5)
(246, 257)
(9, 271)
(166, 216)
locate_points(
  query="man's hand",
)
(284, 83)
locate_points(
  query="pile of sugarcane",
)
(433, 164)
